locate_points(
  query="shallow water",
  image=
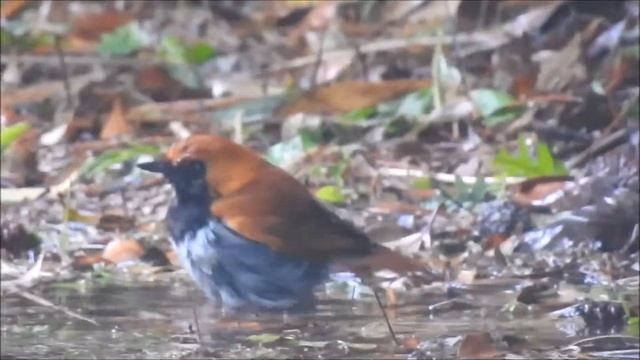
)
(156, 320)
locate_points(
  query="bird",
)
(250, 234)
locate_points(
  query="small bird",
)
(250, 234)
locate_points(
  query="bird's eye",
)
(197, 168)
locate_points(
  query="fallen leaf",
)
(347, 96)
(532, 192)
(91, 26)
(116, 124)
(558, 69)
(120, 250)
(86, 262)
(496, 107)
(410, 343)
(11, 7)
(44, 90)
(21, 159)
(331, 194)
(476, 346)
(11, 133)
(113, 222)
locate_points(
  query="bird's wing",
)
(287, 218)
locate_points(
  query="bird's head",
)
(202, 165)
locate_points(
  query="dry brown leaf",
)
(120, 250)
(21, 160)
(116, 124)
(167, 111)
(410, 343)
(32, 93)
(45, 90)
(91, 26)
(8, 116)
(85, 262)
(11, 7)
(477, 346)
(532, 191)
(154, 80)
(559, 69)
(350, 95)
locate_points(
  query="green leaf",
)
(10, 133)
(183, 74)
(331, 194)
(467, 193)
(496, 107)
(179, 55)
(172, 50)
(478, 191)
(522, 164)
(117, 156)
(416, 104)
(335, 171)
(5, 37)
(359, 115)
(198, 53)
(176, 51)
(634, 326)
(285, 152)
(122, 41)
(421, 183)
(25, 40)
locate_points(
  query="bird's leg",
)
(386, 318)
(197, 324)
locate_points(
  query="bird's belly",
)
(241, 272)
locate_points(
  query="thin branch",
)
(65, 72)
(44, 302)
(386, 317)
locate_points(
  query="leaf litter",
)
(425, 124)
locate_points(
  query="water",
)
(155, 319)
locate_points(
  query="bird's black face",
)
(188, 179)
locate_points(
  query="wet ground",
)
(156, 320)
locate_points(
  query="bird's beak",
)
(157, 166)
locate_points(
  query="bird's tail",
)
(384, 258)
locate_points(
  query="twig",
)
(448, 178)
(44, 302)
(318, 63)
(362, 59)
(65, 72)
(598, 146)
(602, 337)
(427, 229)
(80, 60)
(619, 116)
(489, 40)
(386, 318)
(633, 239)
